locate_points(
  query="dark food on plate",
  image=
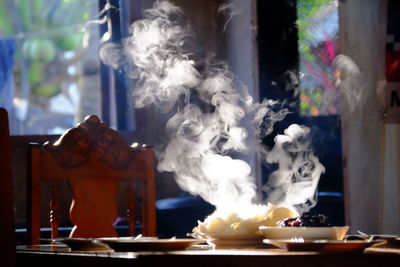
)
(308, 220)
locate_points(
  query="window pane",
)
(56, 70)
(318, 33)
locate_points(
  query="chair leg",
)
(131, 209)
(54, 211)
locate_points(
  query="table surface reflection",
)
(61, 255)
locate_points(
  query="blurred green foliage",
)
(316, 46)
(44, 28)
(30, 16)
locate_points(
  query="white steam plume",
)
(294, 184)
(348, 80)
(266, 114)
(207, 127)
(229, 10)
(199, 139)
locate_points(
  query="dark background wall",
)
(278, 75)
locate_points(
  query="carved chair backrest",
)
(94, 159)
(7, 225)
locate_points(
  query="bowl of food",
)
(304, 227)
(304, 233)
(240, 228)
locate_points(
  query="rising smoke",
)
(348, 80)
(294, 184)
(207, 127)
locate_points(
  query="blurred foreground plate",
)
(83, 244)
(304, 233)
(149, 244)
(237, 241)
(327, 246)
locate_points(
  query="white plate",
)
(236, 241)
(83, 244)
(235, 237)
(304, 233)
(149, 244)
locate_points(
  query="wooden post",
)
(7, 225)
(33, 207)
(151, 198)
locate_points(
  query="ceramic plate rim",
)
(308, 233)
(149, 241)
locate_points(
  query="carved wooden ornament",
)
(91, 140)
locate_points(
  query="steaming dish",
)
(302, 234)
(243, 224)
(308, 220)
(304, 227)
(270, 222)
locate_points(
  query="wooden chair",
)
(94, 159)
(7, 227)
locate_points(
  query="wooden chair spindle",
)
(131, 210)
(54, 211)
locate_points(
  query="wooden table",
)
(58, 256)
